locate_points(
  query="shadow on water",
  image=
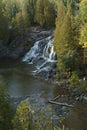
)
(77, 119)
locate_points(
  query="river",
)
(21, 82)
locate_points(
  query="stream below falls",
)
(21, 82)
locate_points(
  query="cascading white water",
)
(42, 55)
(49, 51)
(33, 53)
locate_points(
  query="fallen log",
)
(55, 98)
(59, 103)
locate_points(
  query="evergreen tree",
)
(6, 111)
(45, 14)
(49, 13)
(9, 8)
(57, 35)
(65, 38)
(83, 22)
(83, 31)
(31, 7)
(83, 36)
(21, 21)
(39, 17)
(4, 28)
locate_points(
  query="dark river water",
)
(21, 82)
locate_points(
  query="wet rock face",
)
(18, 47)
(3, 50)
(42, 55)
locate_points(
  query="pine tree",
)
(83, 29)
(65, 40)
(83, 22)
(39, 16)
(6, 111)
(4, 28)
(45, 13)
(57, 34)
(22, 19)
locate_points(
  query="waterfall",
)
(49, 51)
(42, 55)
(33, 53)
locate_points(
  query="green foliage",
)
(12, 7)
(31, 10)
(43, 120)
(45, 14)
(8, 8)
(28, 119)
(64, 40)
(21, 22)
(58, 31)
(83, 22)
(83, 85)
(83, 34)
(39, 17)
(23, 116)
(6, 111)
(74, 79)
(4, 31)
(83, 11)
(20, 15)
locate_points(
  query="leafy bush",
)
(83, 85)
(74, 79)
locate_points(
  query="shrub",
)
(74, 79)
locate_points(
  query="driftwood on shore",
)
(56, 98)
(59, 103)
